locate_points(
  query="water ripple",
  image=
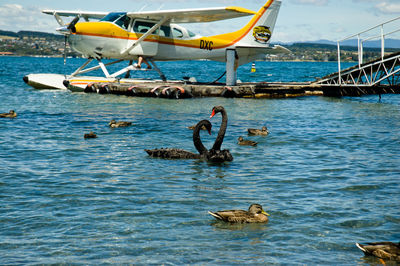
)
(327, 173)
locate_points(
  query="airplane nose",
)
(63, 30)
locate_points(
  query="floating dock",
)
(180, 90)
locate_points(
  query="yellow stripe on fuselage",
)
(110, 30)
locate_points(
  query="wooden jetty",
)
(180, 90)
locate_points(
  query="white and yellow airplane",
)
(155, 36)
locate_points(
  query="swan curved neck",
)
(221, 133)
(196, 137)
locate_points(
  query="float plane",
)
(156, 36)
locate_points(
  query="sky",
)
(298, 20)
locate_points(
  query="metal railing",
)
(361, 42)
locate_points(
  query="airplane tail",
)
(258, 32)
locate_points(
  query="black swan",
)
(115, 124)
(260, 132)
(10, 114)
(255, 214)
(172, 153)
(215, 153)
(244, 142)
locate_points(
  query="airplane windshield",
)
(113, 16)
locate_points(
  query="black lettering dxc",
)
(206, 45)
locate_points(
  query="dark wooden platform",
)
(179, 90)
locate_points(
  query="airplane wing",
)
(194, 15)
(86, 15)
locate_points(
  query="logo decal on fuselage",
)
(262, 34)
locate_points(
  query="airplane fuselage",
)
(107, 40)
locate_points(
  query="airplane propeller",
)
(66, 30)
(72, 24)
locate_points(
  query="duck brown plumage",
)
(255, 214)
(260, 132)
(193, 127)
(90, 135)
(382, 250)
(10, 114)
(115, 124)
(244, 142)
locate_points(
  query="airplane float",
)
(156, 36)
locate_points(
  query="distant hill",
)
(389, 43)
(330, 46)
(32, 34)
(8, 33)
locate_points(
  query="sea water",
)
(328, 173)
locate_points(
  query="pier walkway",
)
(381, 75)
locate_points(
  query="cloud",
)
(10, 10)
(388, 8)
(311, 2)
(14, 17)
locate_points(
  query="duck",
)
(90, 135)
(10, 114)
(115, 124)
(244, 142)
(255, 214)
(260, 132)
(383, 250)
(193, 127)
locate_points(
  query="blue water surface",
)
(328, 173)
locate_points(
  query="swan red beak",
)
(212, 114)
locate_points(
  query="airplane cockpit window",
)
(142, 26)
(191, 34)
(113, 16)
(165, 31)
(176, 33)
(123, 22)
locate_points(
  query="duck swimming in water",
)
(382, 250)
(255, 214)
(245, 142)
(90, 135)
(260, 132)
(115, 124)
(192, 127)
(10, 114)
